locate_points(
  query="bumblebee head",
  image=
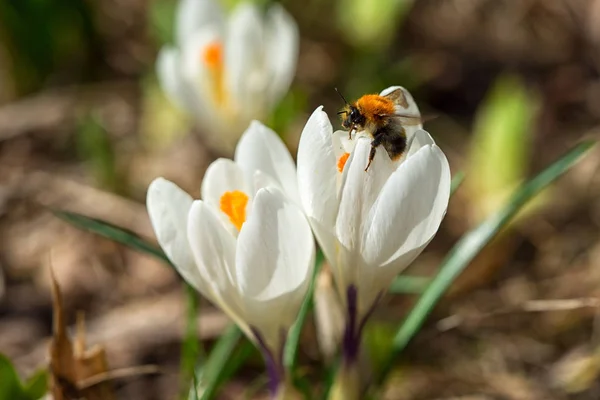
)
(351, 116)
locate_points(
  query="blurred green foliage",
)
(501, 144)
(371, 24)
(161, 122)
(96, 148)
(11, 387)
(162, 20)
(44, 38)
(287, 110)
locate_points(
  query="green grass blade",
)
(405, 284)
(290, 353)
(224, 359)
(112, 232)
(470, 245)
(190, 348)
(457, 180)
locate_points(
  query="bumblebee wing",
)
(411, 120)
(398, 97)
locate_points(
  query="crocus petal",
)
(193, 15)
(281, 41)
(275, 248)
(260, 149)
(359, 191)
(317, 170)
(168, 70)
(213, 249)
(420, 139)
(222, 175)
(168, 207)
(262, 180)
(341, 144)
(410, 208)
(274, 261)
(193, 66)
(245, 76)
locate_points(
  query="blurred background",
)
(85, 126)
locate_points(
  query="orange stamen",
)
(342, 161)
(213, 55)
(233, 204)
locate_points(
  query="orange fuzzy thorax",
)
(373, 106)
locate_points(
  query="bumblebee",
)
(378, 116)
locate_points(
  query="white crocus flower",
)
(245, 246)
(371, 225)
(228, 71)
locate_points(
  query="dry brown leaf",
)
(70, 363)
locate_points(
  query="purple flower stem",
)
(274, 365)
(354, 328)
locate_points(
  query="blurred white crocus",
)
(226, 71)
(245, 246)
(371, 225)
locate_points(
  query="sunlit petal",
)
(168, 208)
(214, 249)
(245, 73)
(410, 208)
(281, 51)
(275, 258)
(193, 15)
(168, 70)
(261, 149)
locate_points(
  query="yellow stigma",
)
(212, 57)
(342, 161)
(233, 204)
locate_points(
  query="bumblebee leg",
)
(350, 132)
(374, 143)
(371, 156)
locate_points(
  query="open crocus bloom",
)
(245, 246)
(228, 71)
(371, 225)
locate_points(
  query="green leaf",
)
(10, 387)
(224, 359)
(290, 352)
(37, 385)
(470, 245)
(112, 232)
